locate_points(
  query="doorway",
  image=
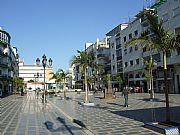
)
(178, 84)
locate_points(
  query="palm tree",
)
(108, 93)
(61, 75)
(57, 78)
(99, 69)
(148, 75)
(118, 79)
(64, 75)
(85, 60)
(18, 81)
(162, 40)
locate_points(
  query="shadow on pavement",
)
(65, 127)
(114, 104)
(150, 114)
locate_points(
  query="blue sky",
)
(60, 27)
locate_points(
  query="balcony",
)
(3, 64)
(101, 56)
(119, 58)
(4, 77)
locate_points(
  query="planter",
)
(166, 128)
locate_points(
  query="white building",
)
(114, 39)
(169, 12)
(33, 76)
(102, 56)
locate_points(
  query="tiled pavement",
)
(26, 115)
(110, 117)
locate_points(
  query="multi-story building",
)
(8, 63)
(133, 55)
(114, 40)
(33, 76)
(169, 12)
(102, 57)
(133, 68)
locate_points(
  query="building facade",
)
(133, 57)
(8, 64)
(102, 57)
(33, 76)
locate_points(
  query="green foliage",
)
(18, 82)
(31, 80)
(118, 79)
(84, 59)
(108, 77)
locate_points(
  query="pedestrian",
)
(125, 93)
(22, 92)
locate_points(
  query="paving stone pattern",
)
(111, 117)
(26, 115)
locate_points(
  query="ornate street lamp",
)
(44, 63)
(37, 61)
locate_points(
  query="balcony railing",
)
(3, 64)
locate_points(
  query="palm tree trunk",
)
(166, 89)
(86, 90)
(151, 85)
(64, 88)
(109, 90)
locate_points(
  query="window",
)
(136, 32)
(144, 49)
(0, 72)
(136, 47)
(118, 41)
(113, 67)
(112, 45)
(130, 36)
(168, 54)
(165, 17)
(131, 76)
(137, 61)
(178, 51)
(130, 49)
(131, 62)
(157, 57)
(113, 56)
(0, 86)
(137, 76)
(125, 51)
(126, 64)
(125, 39)
(176, 11)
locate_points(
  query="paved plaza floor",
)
(110, 117)
(26, 115)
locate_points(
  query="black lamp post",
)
(44, 63)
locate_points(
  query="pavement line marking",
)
(20, 114)
(11, 119)
(87, 131)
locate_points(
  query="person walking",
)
(125, 93)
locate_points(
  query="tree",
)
(61, 75)
(18, 82)
(162, 40)
(148, 74)
(109, 89)
(99, 69)
(64, 75)
(118, 79)
(85, 60)
(57, 78)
